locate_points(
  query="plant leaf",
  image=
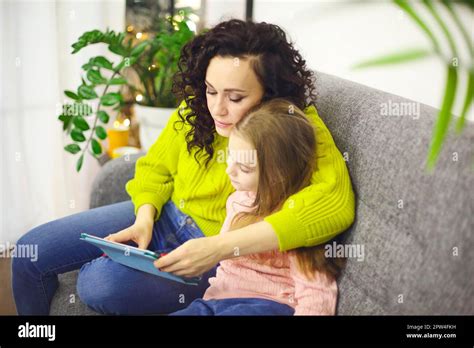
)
(80, 123)
(117, 81)
(102, 62)
(72, 148)
(103, 116)
(76, 135)
(395, 58)
(100, 132)
(72, 95)
(467, 102)
(95, 77)
(96, 148)
(66, 121)
(79, 163)
(404, 5)
(442, 25)
(444, 116)
(86, 92)
(110, 99)
(138, 49)
(126, 62)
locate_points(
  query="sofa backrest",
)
(415, 228)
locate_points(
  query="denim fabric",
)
(236, 307)
(104, 285)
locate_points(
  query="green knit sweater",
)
(312, 216)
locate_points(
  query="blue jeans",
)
(236, 306)
(104, 285)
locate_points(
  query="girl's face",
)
(232, 89)
(242, 164)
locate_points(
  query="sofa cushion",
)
(408, 220)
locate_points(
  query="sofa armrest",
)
(109, 185)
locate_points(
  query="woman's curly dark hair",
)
(278, 66)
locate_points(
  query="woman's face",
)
(242, 164)
(232, 88)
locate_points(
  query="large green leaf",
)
(444, 28)
(395, 58)
(444, 116)
(468, 99)
(403, 4)
(467, 37)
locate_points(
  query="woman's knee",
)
(99, 286)
(93, 288)
(25, 253)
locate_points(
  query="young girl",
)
(271, 157)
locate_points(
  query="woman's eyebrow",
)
(227, 89)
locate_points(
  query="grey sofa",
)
(416, 228)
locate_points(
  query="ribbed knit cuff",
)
(288, 228)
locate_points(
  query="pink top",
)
(281, 281)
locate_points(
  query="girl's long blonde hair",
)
(285, 143)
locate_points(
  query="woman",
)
(180, 187)
(276, 144)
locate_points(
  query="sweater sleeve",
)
(316, 296)
(324, 208)
(154, 172)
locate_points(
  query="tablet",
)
(135, 258)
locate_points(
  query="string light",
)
(139, 98)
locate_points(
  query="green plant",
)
(450, 60)
(154, 61)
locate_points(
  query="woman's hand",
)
(140, 233)
(191, 259)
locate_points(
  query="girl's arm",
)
(197, 256)
(255, 238)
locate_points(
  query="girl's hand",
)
(140, 233)
(191, 259)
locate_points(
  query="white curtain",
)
(38, 179)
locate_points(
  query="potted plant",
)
(153, 61)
